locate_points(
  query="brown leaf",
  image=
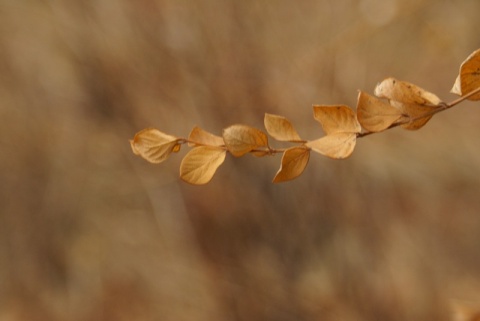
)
(241, 139)
(469, 76)
(336, 119)
(416, 112)
(405, 92)
(410, 100)
(337, 146)
(201, 137)
(154, 145)
(201, 163)
(294, 161)
(375, 114)
(280, 128)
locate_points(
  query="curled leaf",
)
(337, 145)
(280, 128)
(375, 114)
(201, 163)
(294, 161)
(336, 119)
(405, 92)
(154, 145)
(469, 76)
(201, 137)
(415, 113)
(241, 139)
(410, 100)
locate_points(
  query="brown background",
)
(89, 231)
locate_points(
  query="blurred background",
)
(89, 231)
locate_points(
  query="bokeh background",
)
(89, 231)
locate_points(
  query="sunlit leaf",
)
(405, 92)
(280, 128)
(410, 100)
(154, 145)
(338, 145)
(294, 161)
(201, 163)
(201, 137)
(469, 76)
(375, 114)
(241, 139)
(336, 119)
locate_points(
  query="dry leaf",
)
(154, 145)
(469, 76)
(241, 139)
(294, 161)
(338, 145)
(336, 119)
(410, 100)
(405, 92)
(374, 114)
(201, 163)
(201, 137)
(280, 128)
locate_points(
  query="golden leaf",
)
(199, 136)
(201, 163)
(374, 114)
(469, 76)
(410, 100)
(241, 139)
(337, 145)
(280, 128)
(336, 119)
(405, 92)
(294, 161)
(154, 145)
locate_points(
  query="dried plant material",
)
(201, 163)
(336, 119)
(241, 139)
(410, 100)
(408, 106)
(154, 145)
(199, 136)
(468, 79)
(261, 153)
(294, 161)
(405, 92)
(374, 114)
(415, 113)
(337, 146)
(280, 128)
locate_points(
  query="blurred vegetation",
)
(89, 231)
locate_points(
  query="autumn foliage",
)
(394, 103)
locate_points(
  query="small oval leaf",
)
(375, 114)
(280, 128)
(336, 119)
(199, 136)
(337, 146)
(469, 76)
(405, 92)
(241, 139)
(294, 161)
(201, 163)
(154, 145)
(415, 113)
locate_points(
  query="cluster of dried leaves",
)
(395, 103)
